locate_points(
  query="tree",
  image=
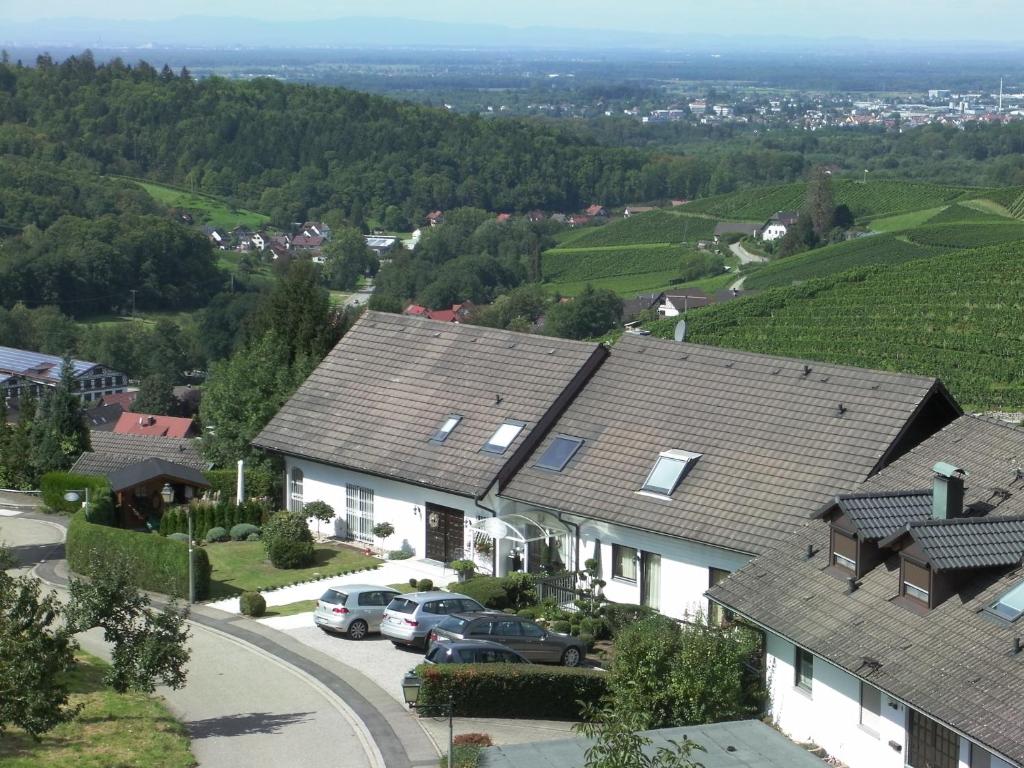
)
(320, 511)
(156, 396)
(593, 312)
(820, 205)
(617, 743)
(665, 675)
(36, 652)
(149, 646)
(59, 435)
(288, 541)
(348, 258)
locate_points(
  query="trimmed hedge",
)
(207, 515)
(53, 486)
(486, 590)
(259, 482)
(512, 690)
(158, 564)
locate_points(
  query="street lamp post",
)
(167, 494)
(411, 684)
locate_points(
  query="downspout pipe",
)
(494, 513)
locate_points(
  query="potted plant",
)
(484, 547)
(464, 568)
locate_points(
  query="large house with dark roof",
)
(673, 464)
(411, 423)
(891, 618)
(30, 373)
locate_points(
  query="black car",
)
(515, 632)
(472, 652)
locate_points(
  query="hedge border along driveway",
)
(530, 691)
(158, 564)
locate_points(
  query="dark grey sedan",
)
(472, 652)
(515, 632)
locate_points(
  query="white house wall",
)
(401, 504)
(829, 714)
(685, 566)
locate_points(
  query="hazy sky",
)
(880, 19)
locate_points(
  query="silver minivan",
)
(353, 609)
(409, 618)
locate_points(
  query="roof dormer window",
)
(504, 436)
(844, 551)
(915, 582)
(446, 429)
(668, 471)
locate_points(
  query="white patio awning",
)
(522, 527)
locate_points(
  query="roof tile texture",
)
(774, 443)
(379, 396)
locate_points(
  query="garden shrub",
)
(207, 515)
(242, 531)
(399, 554)
(179, 537)
(424, 585)
(157, 563)
(53, 486)
(486, 590)
(253, 537)
(413, 582)
(101, 509)
(252, 604)
(620, 615)
(472, 740)
(520, 590)
(259, 482)
(596, 627)
(531, 613)
(512, 690)
(561, 626)
(217, 534)
(288, 541)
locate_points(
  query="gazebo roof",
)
(150, 469)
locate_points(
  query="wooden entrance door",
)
(444, 533)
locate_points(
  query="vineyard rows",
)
(963, 213)
(878, 197)
(1016, 208)
(651, 227)
(864, 251)
(563, 265)
(1005, 196)
(958, 316)
(968, 234)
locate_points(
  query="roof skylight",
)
(503, 436)
(557, 455)
(446, 429)
(1011, 605)
(668, 470)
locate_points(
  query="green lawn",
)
(290, 609)
(113, 729)
(204, 208)
(904, 220)
(239, 566)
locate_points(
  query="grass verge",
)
(113, 729)
(205, 208)
(239, 566)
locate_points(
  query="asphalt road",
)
(242, 706)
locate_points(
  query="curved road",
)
(242, 706)
(745, 257)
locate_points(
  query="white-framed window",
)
(624, 562)
(295, 490)
(668, 470)
(359, 513)
(503, 436)
(870, 707)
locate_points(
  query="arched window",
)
(295, 491)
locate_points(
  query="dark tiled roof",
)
(738, 744)
(953, 663)
(774, 444)
(736, 228)
(387, 387)
(111, 451)
(150, 469)
(878, 515)
(985, 542)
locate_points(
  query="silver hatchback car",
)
(409, 618)
(353, 609)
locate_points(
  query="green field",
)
(972, 234)
(876, 198)
(204, 208)
(573, 264)
(885, 249)
(966, 211)
(903, 221)
(652, 227)
(958, 316)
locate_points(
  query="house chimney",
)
(1017, 646)
(851, 585)
(948, 491)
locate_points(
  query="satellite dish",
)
(680, 333)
